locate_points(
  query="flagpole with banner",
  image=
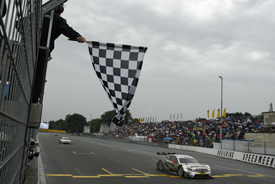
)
(224, 113)
(213, 114)
(218, 113)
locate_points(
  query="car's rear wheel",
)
(160, 166)
(180, 171)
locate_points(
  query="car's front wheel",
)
(160, 166)
(180, 171)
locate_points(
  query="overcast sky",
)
(190, 44)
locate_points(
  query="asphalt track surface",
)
(89, 160)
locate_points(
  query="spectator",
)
(194, 132)
(59, 27)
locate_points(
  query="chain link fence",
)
(20, 27)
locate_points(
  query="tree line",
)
(239, 115)
(76, 122)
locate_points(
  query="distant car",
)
(183, 165)
(65, 140)
(55, 134)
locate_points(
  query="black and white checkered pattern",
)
(118, 68)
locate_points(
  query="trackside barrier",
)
(264, 160)
(55, 131)
(164, 145)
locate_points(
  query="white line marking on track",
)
(78, 171)
(240, 170)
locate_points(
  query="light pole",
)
(90, 122)
(221, 111)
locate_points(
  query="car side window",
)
(173, 158)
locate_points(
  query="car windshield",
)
(188, 160)
(66, 138)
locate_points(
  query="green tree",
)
(53, 125)
(107, 116)
(135, 120)
(246, 115)
(128, 118)
(238, 115)
(95, 125)
(75, 122)
(58, 125)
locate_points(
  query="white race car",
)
(65, 140)
(183, 165)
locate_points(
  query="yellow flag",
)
(213, 113)
(224, 113)
(218, 115)
(208, 114)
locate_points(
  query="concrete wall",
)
(268, 137)
(104, 127)
(269, 117)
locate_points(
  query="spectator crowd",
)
(201, 132)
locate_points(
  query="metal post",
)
(248, 146)
(221, 110)
(264, 147)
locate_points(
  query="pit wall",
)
(264, 160)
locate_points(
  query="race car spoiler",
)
(163, 153)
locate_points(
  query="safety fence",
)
(20, 27)
(247, 146)
(127, 140)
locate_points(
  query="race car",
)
(183, 165)
(65, 140)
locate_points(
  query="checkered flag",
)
(118, 68)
